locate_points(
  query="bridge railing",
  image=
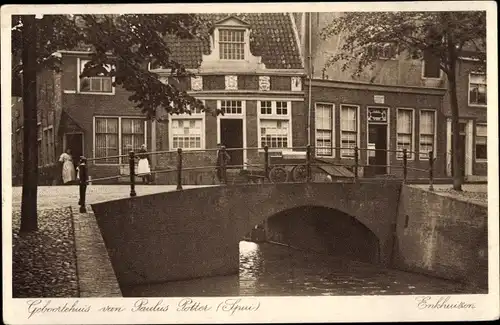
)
(293, 164)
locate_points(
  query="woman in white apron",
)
(68, 169)
(143, 169)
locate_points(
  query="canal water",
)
(275, 270)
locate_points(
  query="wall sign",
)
(231, 82)
(197, 83)
(296, 83)
(379, 99)
(377, 114)
(264, 83)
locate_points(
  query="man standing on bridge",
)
(222, 156)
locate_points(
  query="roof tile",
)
(271, 37)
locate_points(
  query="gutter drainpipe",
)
(310, 82)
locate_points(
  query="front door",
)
(74, 142)
(377, 139)
(231, 136)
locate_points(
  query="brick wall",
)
(442, 236)
(393, 100)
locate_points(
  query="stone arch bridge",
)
(195, 233)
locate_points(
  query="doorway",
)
(377, 139)
(231, 136)
(74, 142)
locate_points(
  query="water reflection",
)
(271, 270)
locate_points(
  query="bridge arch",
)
(324, 230)
(194, 233)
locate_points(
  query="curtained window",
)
(404, 133)
(427, 129)
(106, 140)
(348, 130)
(324, 129)
(477, 89)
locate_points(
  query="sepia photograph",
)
(221, 159)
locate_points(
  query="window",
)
(427, 133)
(106, 140)
(47, 143)
(116, 136)
(187, 131)
(231, 44)
(481, 142)
(324, 129)
(477, 89)
(383, 51)
(231, 106)
(132, 134)
(101, 82)
(404, 133)
(266, 107)
(274, 133)
(431, 66)
(274, 124)
(348, 130)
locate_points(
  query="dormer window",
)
(232, 44)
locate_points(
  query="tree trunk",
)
(29, 218)
(456, 154)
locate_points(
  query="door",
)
(462, 127)
(74, 142)
(377, 139)
(231, 136)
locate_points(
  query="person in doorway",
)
(68, 168)
(143, 169)
(220, 158)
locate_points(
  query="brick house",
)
(249, 66)
(401, 103)
(49, 110)
(472, 105)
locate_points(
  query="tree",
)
(443, 35)
(126, 43)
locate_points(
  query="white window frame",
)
(185, 116)
(333, 129)
(78, 80)
(246, 47)
(411, 155)
(480, 160)
(434, 145)
(468, 92)
(274, 116)
(120, 162)
(358, 131)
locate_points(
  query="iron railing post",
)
(431, 170)
(179, 169)
(83, 175)
(356, 162)
(131, 164)
(266, 162)
(405, 164)
(223, 162)
(308, 163)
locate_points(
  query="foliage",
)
(126, 43)
(411, 33)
